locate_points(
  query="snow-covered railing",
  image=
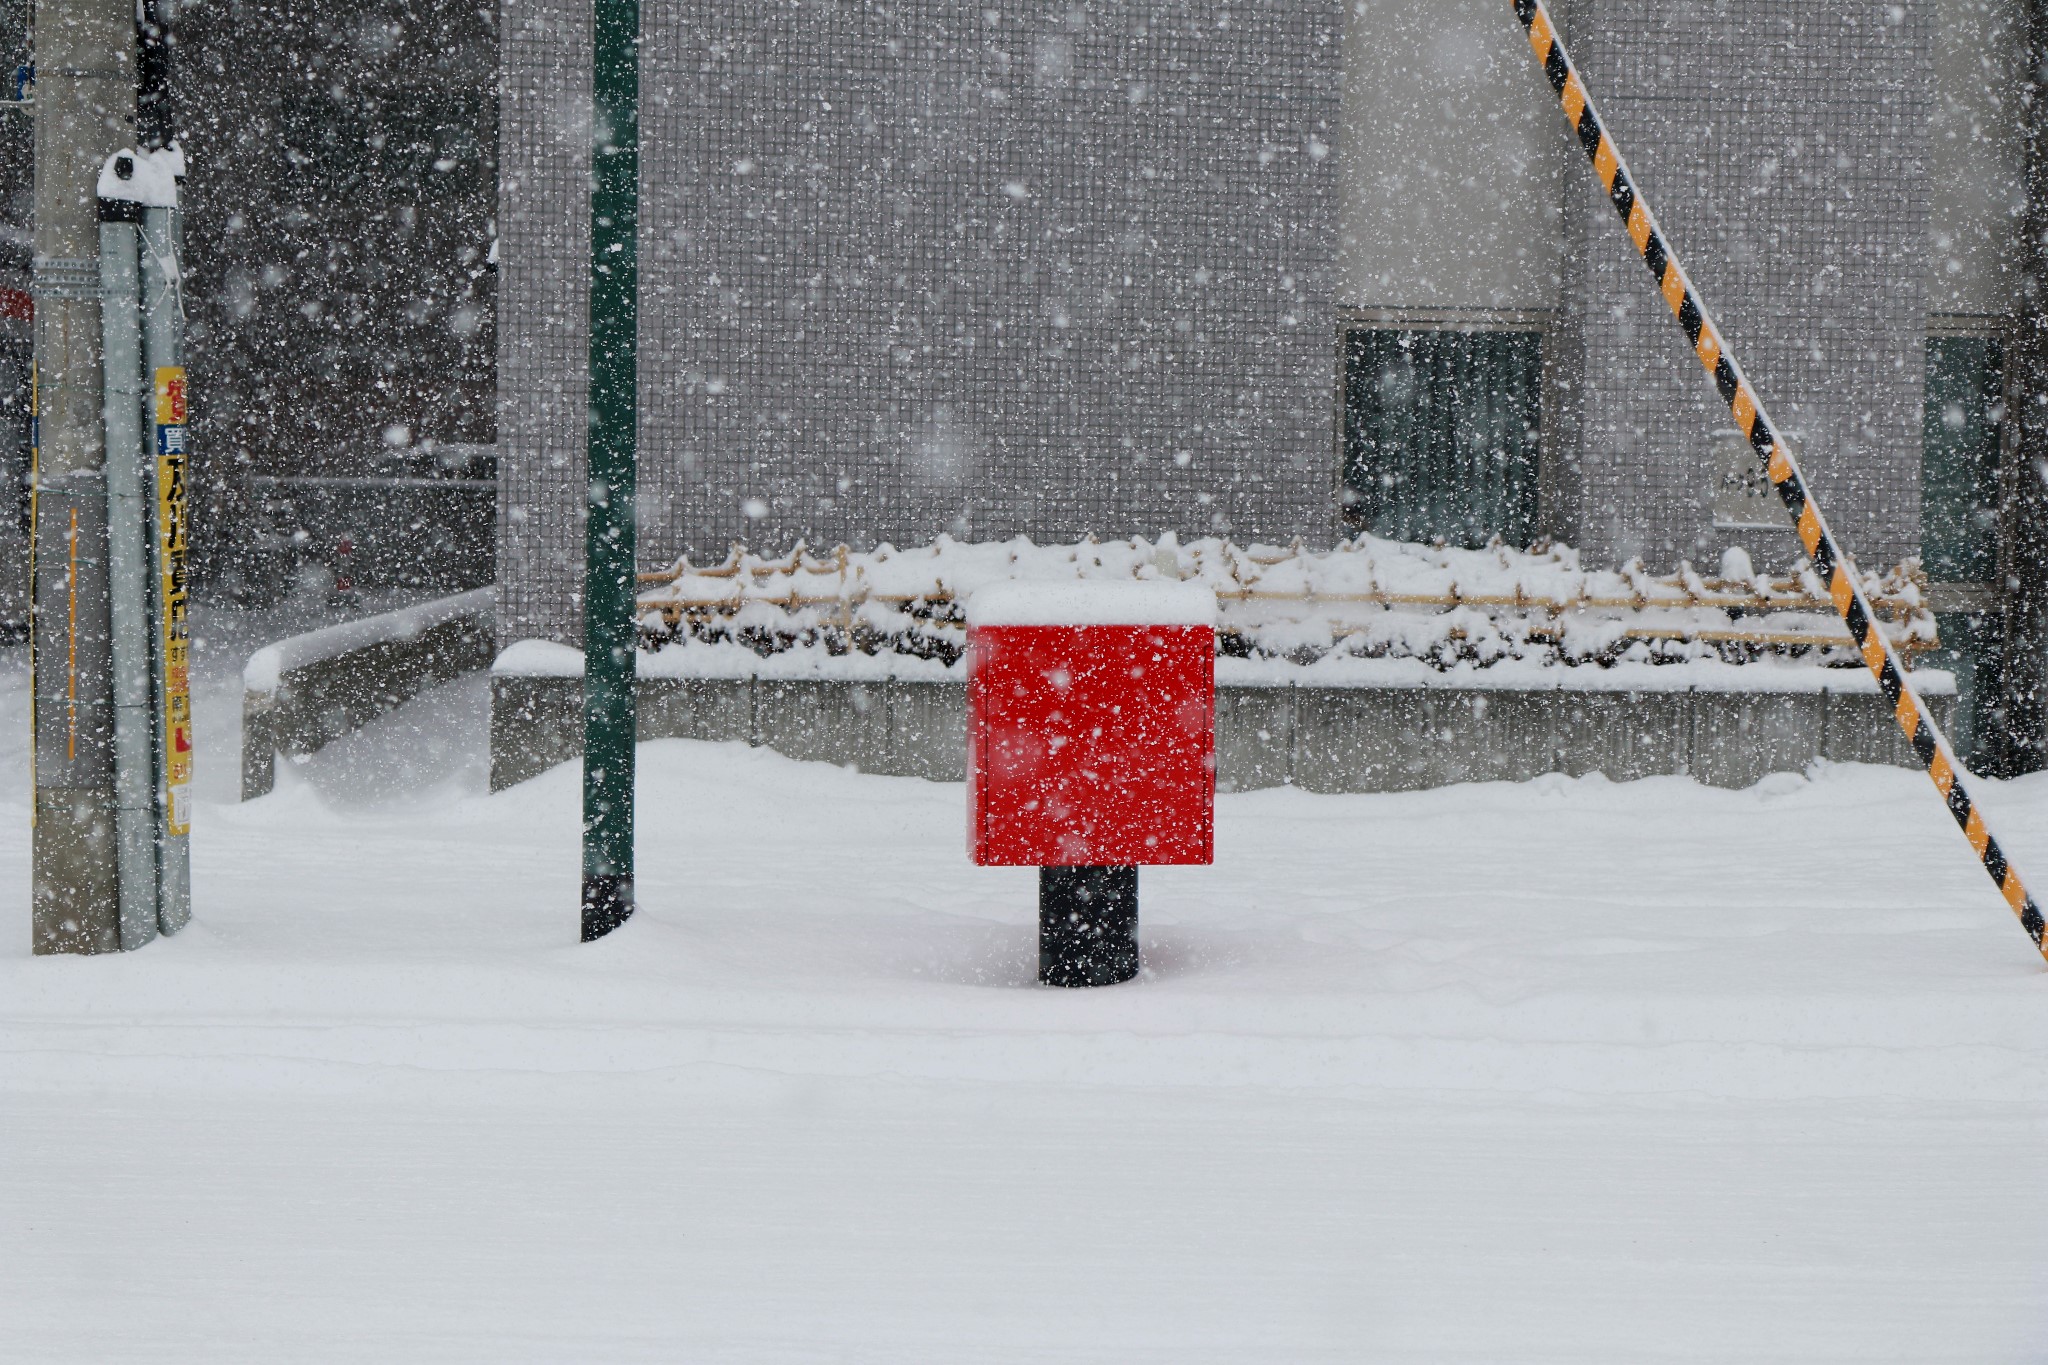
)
(1366, 597)
(303, 692)
(267, 668)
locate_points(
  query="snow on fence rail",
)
(267, 668)
(1366, 598)
(302, 693)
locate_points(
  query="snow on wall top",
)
(1098, 602)
(726, 661)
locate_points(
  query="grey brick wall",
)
(1048, 270)
(1783, 144)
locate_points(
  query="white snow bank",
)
(1092, 603)
(1642, 1071)
(264, 673)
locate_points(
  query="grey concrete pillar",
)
(85, 104)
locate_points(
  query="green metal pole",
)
(608, 625)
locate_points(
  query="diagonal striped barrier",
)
(1835, 568)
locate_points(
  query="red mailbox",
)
(1091, 751)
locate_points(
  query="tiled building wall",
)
(543, 302)
(1783, 145)
(17, 167)
(931, 267)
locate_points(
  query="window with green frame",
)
(1441, 434)
(1960, 433)
(1959, 460)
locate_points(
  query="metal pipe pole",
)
(85, 99)
(1087, 925)
(608, 585)
(163, 358)
(128, 569)
(165, 462)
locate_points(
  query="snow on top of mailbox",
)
(1099, 602)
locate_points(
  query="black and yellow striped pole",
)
(1834, 567)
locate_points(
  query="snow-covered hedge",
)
(1366, 598)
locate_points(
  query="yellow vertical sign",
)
(173, 518)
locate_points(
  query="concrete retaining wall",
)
(1325, 739)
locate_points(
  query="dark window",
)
(1972, 646)
(1959, 460)
(1440, 434)
(1959, 519)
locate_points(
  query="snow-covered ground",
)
(1565, 1071)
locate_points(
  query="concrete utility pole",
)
(85, 106)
